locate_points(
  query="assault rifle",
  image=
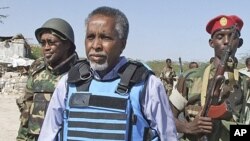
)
(213, 101)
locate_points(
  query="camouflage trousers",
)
(23, 135)
(24, 107)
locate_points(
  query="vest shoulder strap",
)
(133, 72)
(80, 75)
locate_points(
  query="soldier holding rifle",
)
(211, 97)
(167, 76)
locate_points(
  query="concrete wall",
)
(12, 83)
(12, 49)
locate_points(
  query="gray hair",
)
(122, 25)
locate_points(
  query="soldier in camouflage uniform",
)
(167, 76)
(191, 90)
(56, 37)
(245, 75)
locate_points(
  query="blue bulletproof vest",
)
(107, 110)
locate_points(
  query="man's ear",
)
(211, 43)
(240, 42)
(124, 42)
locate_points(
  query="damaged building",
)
(14, 64)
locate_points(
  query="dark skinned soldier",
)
(56, 38)
(191, 99)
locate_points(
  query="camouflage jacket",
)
(33, 104)
(245, 84)
(193, 81)
(167, 76)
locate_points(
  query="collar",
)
(64, 66)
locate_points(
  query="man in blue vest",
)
(108, 97)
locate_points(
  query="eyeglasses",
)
(48, 42)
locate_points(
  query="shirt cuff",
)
(178, 100)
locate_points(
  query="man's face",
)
(193, 65)
(54, 50)
(102, 43)
(220, 41)
(168, 63)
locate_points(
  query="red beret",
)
(223, 21)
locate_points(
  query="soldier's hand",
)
(200, 125)
(20, 103)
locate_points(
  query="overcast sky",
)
(159, 29)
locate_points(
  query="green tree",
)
(36, 52)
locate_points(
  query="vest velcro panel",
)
(86, 99)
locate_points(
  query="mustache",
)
(97, 54)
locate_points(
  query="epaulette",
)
(36, 66)
(133, 72)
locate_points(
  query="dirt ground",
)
(9, 118)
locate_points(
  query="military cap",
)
(224, 21)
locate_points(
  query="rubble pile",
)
(14, 64)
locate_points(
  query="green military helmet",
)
(58, 25)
